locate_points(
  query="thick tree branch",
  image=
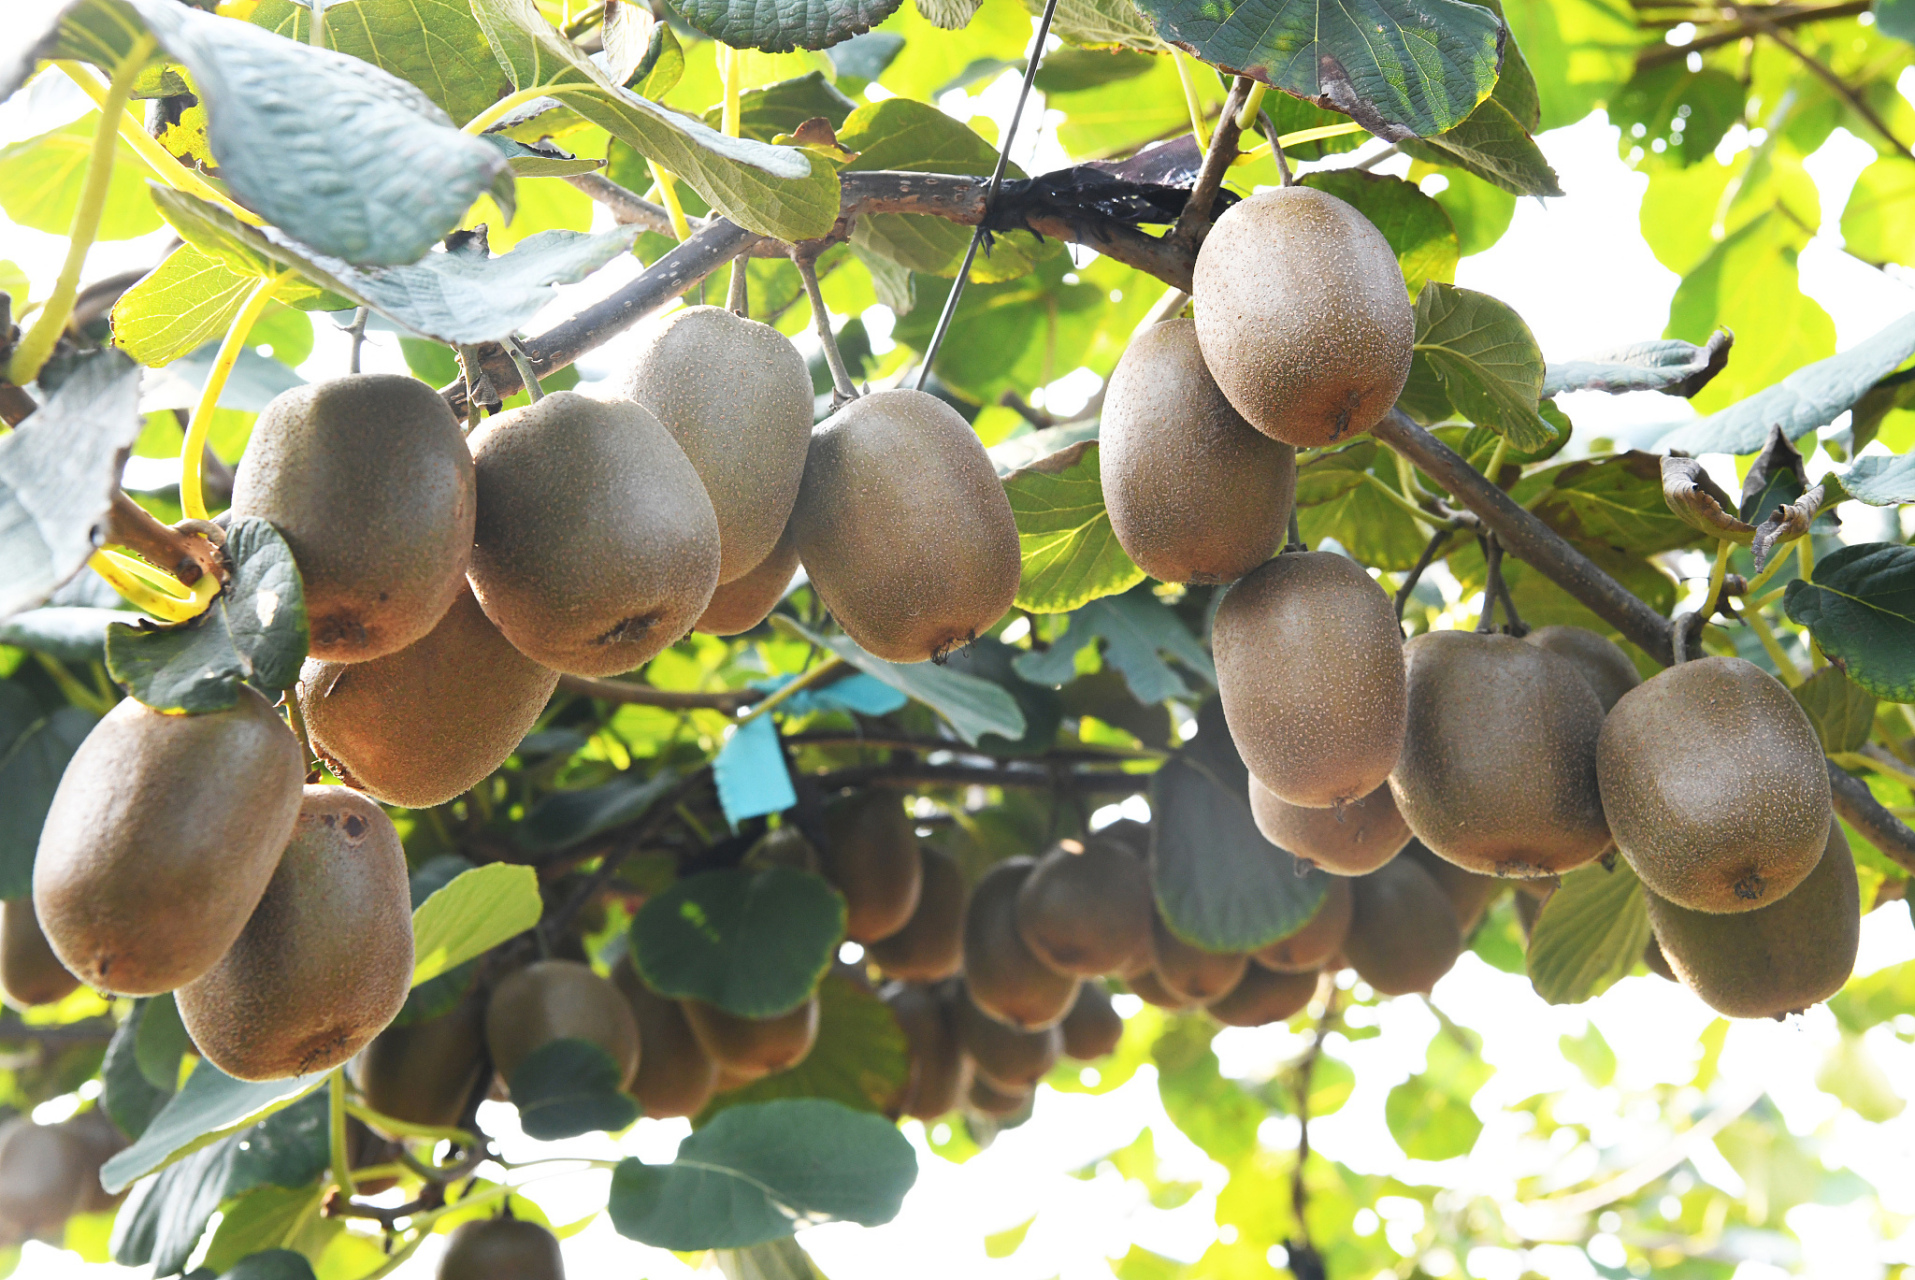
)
(628, 208)
(729, 701)
(1859, 808)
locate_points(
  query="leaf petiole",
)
(193, 447)
(336, 1111)
(1190, 100)
(152, 590)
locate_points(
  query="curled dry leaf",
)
(1691, 494)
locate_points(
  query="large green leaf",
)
(860, 1058)
(1071, 555)
(1581, 51)
(190, 299)
(1675, 113)
(475, 912)
(973, 707)
(1860, 607)
(1399, 69)
(34, 750)
(1590, 933)
(1493, 145)
(1101, 24)
(1666, 365)
(102, 32)
(255, 632)
(129, 1098)
(567, 1087)
(58, 473)
(563, 818)
(1346, 494)
(1842, 712)
(1485, 360)
(1429, 1114)
(1420, 233)
(782, 27)
(1878, 223)
(1614, 501)
(756, 1172)
(40, 181)
(1137, 631)
(754, 943)
(775, 191)
(209, 1106)
(432, 44)
(780, 107)
(1881, 482)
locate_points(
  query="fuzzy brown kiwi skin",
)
(1498, 772)
(753, 1047)
(1093, 1027)
(1469, 893)
(903, 527)
(1321, 937)
(1150, 988)
(43, 1172)
(369, 481)
(675, 1075)
(492, 1248)
(1009, 1058)
(741, 604)
(1607, 668)
(1263, 996)
(150, 864)
(939, 1072)
(1085, 909)
(1310, 672)
(558, 1000)
(1303, 316)
(930, 946)
(1403, 932)
(418, 727)
(1195, 493)
(1778, 959)
(425, 1072)
(30, 974)
(1190, 972)
(988, 1099)
(1005, 977)
(325, 963)
(1714, 785)
(578, 573)
(869, 851)
(1353, 840)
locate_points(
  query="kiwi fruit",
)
(101, 1140)
(1655, 961)
(1263, 996)
(1004, 976)
(325, 962)
(489, 1248)
(1303, 316)
(423, 725)
(150, 862)
(1403, 932)
(1498, 772)
(30, 973)
(558, 1000)
(869, 851)
(753, 1047)
(736, 395)
(1190, 972)
(1013, 1059)
(1714, 785)
(1195, 493)
(1778, 959)
(675, 1074)
(1350, 840)
(741, 604)
(1310, 671)
(1086, 908)
(990, 1099)
(425, 1072)
(1149, 987)
(1093, 1027)
(938, 1068)
(1597, 660)
(369, 481)
(43, 1175)
(930, 946)
(596, 548)
(1321, 937)
(1469, 893)
(904, 528)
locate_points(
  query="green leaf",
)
(208, 1107)
(1812, 396)
(273, 1264)
(162, 1221)
(780, 28)
(477, 911)
(1429, 1114)
(860, 1059)
(161, 1043)
(1136, 629)
(1071, 555)
(1852, 1075)
(58, 472)
(188, 300)
(775, 191)
(1401, 70)
(562, 818)
(567, 1087)
(949, 15)
(1480, 211)
(34, 750)
(1580, 50)
(756, 1172)
(432, 44)
(1492, 145)
(1013, 334)
(1878, 998)
(457, 296)
(772, 109)
(1668, 365)
(1878, 223)
(1614, 501)
(40, 182)
(1484, 358)
(1684, 111)
(1591, 1054)
(1420, 233)
(1881, 482)
(1590, 933)
(545, 160)
(1860, 607)
(255, 632)
(1102, 24)
(71, 634)
(263, 1218)
(973, 707)
(1344, 494)
(129, 1099)
(1843, 713)
(754, 943)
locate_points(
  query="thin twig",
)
(1276, 150)
(912, 775)
(627, 207)
(623, 692)
(844, 389)
(1305, 1262)
(357, 332)
(738, 292)
(1423, 562)
(527, 374)
(1657, 55)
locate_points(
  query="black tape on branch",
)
(1085, 197)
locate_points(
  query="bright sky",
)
(1579, 273)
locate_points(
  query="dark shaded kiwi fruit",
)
(43, 1174)
(1346, 840)
(999, 1103)
(1597, 660)
(1777, 959)
(30, 973)
(1403, 932)
(1005, 977)
(1086, 908)
(938, 1069)
(675, 1074)
(1469, 893)
(1149, 987)
(869, 851)
(753, 1047)
(493, 1248)
(1310, 670)
(1195, 493)
(1321, 937)
(930, 946)
(150, 863)
(1263, 996)
(418, 727)
(1092, 1028)
(741, 604)
(101, 1140)
(424, 1072)
(325, 963)
(1189, 971)
(369, 481)
(558, 1000)
(1012, 1059)
(1714, 785)
(1303, 316)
